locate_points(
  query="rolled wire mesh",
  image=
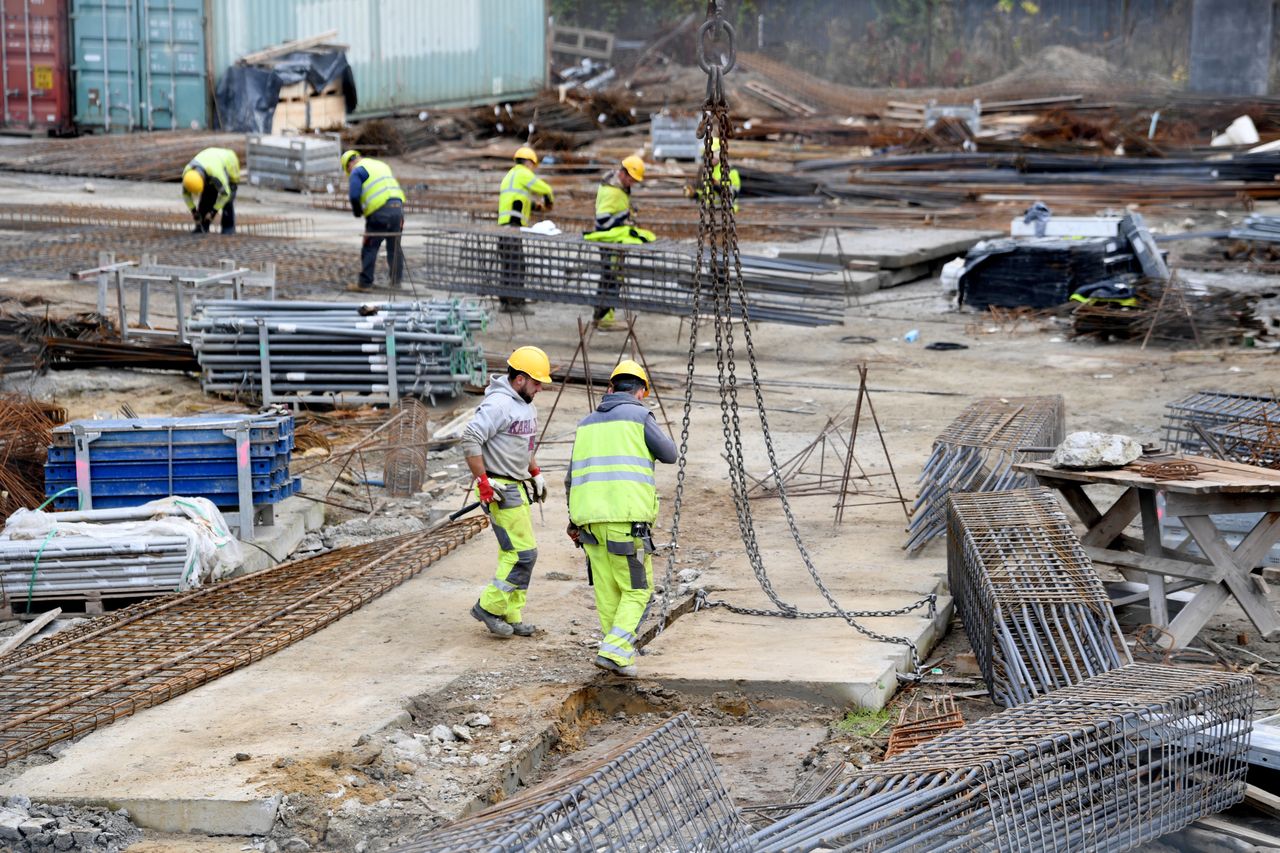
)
(1188, 419)
(1107, 764)
(976, 453)
(404, 465)
(1033, 608)
(661, 792)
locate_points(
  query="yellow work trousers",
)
(622, 575)
(512, 524)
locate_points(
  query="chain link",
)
(719, 260)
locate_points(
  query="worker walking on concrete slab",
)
(209, 184)
(498, 445)
(709, 180)
(614, 224)
(376, 195)
(520, 194)
(613, 504)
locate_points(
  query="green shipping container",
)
(140, 64)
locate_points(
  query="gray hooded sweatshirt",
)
(502, 431)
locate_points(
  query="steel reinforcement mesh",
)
(1107, 764)
(1033, 608)
(661, 792)
(976, 453)
(115, 665)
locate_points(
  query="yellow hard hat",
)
(526, 153)
(627, 367)
(635, 167)
(532, 361)
(347, 157)
(193, 181)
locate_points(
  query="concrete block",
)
(294, 518)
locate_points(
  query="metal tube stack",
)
(977, 452)
(70, 566)
(1034, 609)
(327, 351)
(1107, 764)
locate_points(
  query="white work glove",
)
(539, 485)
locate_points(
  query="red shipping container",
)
(34, 66)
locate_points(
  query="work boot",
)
(628, 671)
(522, 629)
(495, 624)
(607, 322)
(357, 287)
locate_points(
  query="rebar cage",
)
(1239, 427)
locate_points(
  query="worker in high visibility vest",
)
(209, 184)
(498, 445)
(520, 194)
(709, 180)
(614, 224)
(613, 504)
(376, 195)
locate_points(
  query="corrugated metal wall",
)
(403, 52)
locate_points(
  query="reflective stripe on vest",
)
(379, 188)
(613, 207)
(611, 471)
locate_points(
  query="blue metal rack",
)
(237, 461)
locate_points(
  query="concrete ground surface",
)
(414, 658)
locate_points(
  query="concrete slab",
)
(889, 248)
(294, 518)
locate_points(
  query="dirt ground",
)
(767, 748)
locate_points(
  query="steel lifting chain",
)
(720, 263)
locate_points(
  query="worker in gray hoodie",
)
(498, 445)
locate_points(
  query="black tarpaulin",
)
(247, 94)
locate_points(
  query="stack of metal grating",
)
(1107, 764)
(1034, 609)
(335, 352)
(657, 278)
(659, 792)
(977, 452)
(1238, 427)
(239, 462)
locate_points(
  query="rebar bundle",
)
(26, 427)
(1107, 764)
(1033, 608)
(404, 467)
(657, 278)
(328, 351)
(86, 677)
(921, 722)
(1215, 423)
(661, 792)
(976, 453)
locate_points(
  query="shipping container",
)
(403, 53)
(34, 66)
(140, 64)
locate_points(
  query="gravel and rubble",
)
(27, 827)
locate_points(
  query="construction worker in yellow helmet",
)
(498, 444)
(614, 224)
(613, 504)
(376, 195)
(209, 184)
(520, 193)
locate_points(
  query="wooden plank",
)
(269, 53)
(1216, 476)
(1153, 547)
(1235, 830)
(1199, 610)
(1235, 575)
(1155, 565)
(1177, 505)
(30, 630)
(1264, 801)
(1113, 522)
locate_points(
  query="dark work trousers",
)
(385, 223)
(511, 258)
(205, 208)
(610, 282)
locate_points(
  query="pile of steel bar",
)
(73, 354)
(136, 156)
(1108, 764)
(1206, 423)
(39, 217)
(1033, 608)
(921, 722)
(331, 351)
(26, 427)
(977, 452)
(662, 791)
(108, 668)
(656, 277)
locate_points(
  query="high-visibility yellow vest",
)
(220, 165)
(379, 188)
(611, 471)
(735, 184)
(515, 195)
(613, 204)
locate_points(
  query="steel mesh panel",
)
(1107, 764)
(976, 453)
(1033, 608)
(661, 792)
(657, 278)
(1211, 411)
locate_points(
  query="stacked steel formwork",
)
(659, 792)
(1107, 764)
(1034, 609)
(331, 352)
(977, 452)
(657, 278)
